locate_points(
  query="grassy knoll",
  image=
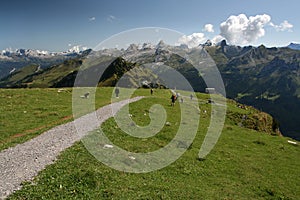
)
(245, 164)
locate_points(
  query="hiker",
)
(151, 91)
(117, 91)
(181, 100)
(173, 99)
(191, 96)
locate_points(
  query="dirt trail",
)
(24, 161)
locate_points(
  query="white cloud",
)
(217, 39)
(240, 30)
(208, 28)
(111, 18)
(192, 40)
(284, 26)
(92, 18)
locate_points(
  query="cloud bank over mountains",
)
(237, 30)
(192, 40)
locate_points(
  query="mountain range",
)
(12, 60)
(266, 78)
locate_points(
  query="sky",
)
(59, 25)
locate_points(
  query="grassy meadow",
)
(245, 164)
(25, 113)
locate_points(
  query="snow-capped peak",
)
(77, 49)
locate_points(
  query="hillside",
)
(267, 78)
(17, 78)
(112, 70)
(41, 78)
(248, 161)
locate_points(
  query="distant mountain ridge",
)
(11, 60)
(294, 46)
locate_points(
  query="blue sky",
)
(58, 25)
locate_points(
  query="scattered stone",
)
(108, 146)
(292, 142)
(61, 90)
(131, 157)
(168, 124)
(85, 96)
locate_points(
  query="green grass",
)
(25, 113)
(245, 164)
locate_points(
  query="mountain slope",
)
(267, 78)
(110, 69)
(42, 78)
(16, 78)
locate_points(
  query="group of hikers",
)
(174, 96)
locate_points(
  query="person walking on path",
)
(117, 91)
(173, 99)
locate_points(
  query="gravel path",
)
(24, 161)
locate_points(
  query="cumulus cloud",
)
(192, 40)
(284, 26)
(92, 19)
(237, 30)
(208, 28)
(217, 39)
(240, 29)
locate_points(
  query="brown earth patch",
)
(26, 132)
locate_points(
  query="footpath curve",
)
(24, 161)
